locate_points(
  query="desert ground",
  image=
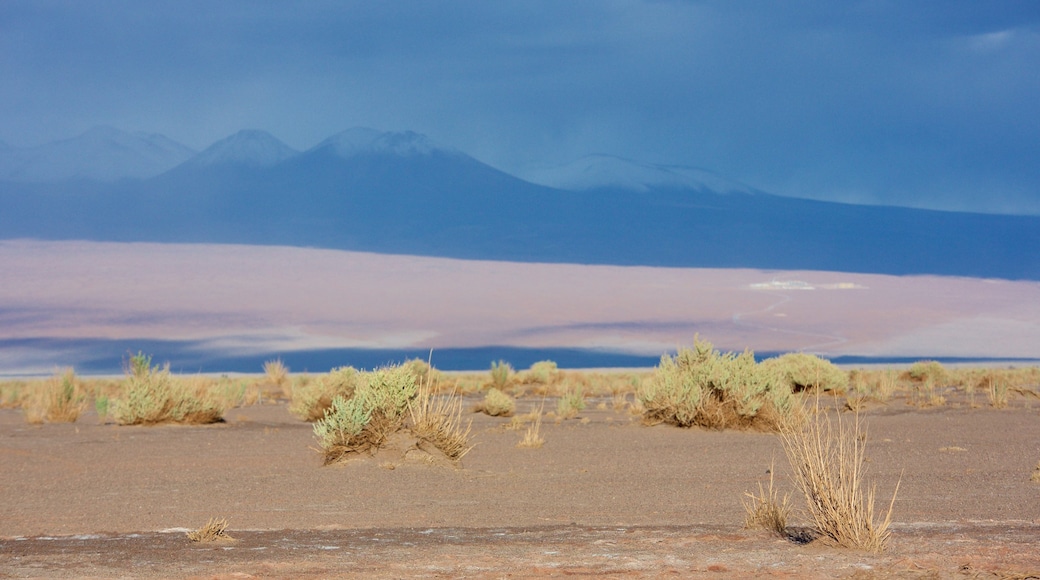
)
(250, 299)
(605, 496)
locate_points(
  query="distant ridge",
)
(102, 154)
(609, 172)
(400, 192)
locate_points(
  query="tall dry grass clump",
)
(215, 530)
(438, 421)
(827, 457)
(58, 400)
(277, 375)
(150, 395)
(703, 387)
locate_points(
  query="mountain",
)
(102, 153)
(608, 172)
(403, 193)
(248, 148)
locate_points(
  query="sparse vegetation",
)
(151, 395)
(497, 404)
(215, 530)
(542, 372)
(701, 386)
(926, 377)
(438, 420)
(1035, 478)
(827, 458)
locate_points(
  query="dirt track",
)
(606, 496)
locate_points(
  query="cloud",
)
(887, 102)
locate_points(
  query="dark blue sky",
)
(912, 103)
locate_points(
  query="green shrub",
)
(150, 396)
(310, 400)
(703, 387)
(807, 372)
(571, 403)
(501, 372)
(541, 372)
(362, 421)
(497, 404)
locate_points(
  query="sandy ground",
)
(242, 299)
(605, 496)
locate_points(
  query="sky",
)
(924, 104)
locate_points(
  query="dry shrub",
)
(438, 420)
(311, 399)
(151, 396)
(703, 387)
(766, 510)
(58, 400)
(827, 458)
(215, 530)
(807, 372)
(278, 376)
(497, 404)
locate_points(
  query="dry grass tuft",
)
(533, 438)
(828, 462)
(1035, 478)
(214, 531)
(766, 510)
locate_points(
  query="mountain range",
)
(401, 192)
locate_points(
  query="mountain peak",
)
(362, 140)
(248, 147)
(609, 172)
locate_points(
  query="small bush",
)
(151, 396)
(311, 400)
(828, 458)
(542, 372)
(703, 387)
(926, 376)
(58, 400)
(571, 403)
(497, 404)
(807, 372)
(501, 372)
